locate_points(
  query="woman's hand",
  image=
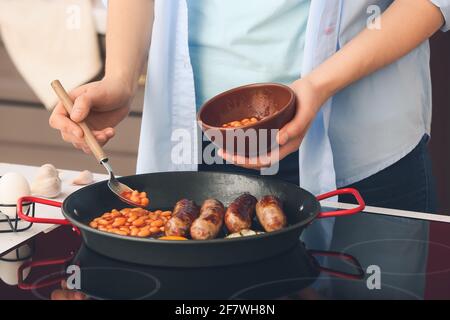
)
(102, 104)
(309, 101)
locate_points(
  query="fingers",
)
(263, 161)
(307, 108)
(60, 121)
(294, 129)
(85, 99)
(254, 163)
(109, 132)
(81, 108)
(102, 136)
(82, 147)
(66, 294)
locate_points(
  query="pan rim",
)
(292, 99)
(188, 242)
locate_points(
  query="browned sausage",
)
(184, 213)
(208, 225)
(240, 213)
(270, 213)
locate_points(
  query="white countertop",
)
(392, 212)
(11, 240)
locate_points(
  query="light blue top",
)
(237, 42)
(372, 124)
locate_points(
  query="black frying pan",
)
(164, 190)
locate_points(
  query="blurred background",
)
(31, 56)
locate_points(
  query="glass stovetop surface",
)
(400, 258)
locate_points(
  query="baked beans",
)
(140, 198)
(134, 222)
(241, 123)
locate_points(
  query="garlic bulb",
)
(48, 187)
(47, 182)
(46, 171)
(84, 178)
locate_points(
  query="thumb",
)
(293, 129)
(81, 108)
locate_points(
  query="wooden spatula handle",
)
(89, 137)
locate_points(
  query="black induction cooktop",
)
(104, 278)
(300, 273)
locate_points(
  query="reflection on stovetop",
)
(294, 274)
(105, 278)
(295, 271)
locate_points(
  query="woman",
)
(371, 135)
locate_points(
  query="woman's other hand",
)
(289, 138)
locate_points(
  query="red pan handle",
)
(340, 213)
(43, 263)
(359, 275)
(29, 200)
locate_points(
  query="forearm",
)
(404, 26)
(128, 39)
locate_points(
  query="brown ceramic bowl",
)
(274, 104)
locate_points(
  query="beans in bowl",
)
(240, 123)
(135, 222)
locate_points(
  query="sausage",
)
(240, 213)
(208, 224)
(184, 214)
(270, 213)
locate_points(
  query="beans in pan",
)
(140, 198)
(135, 222)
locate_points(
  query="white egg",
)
(8, 269)
(12, 187)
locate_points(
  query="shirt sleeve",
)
(444, 5)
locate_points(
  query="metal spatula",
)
(114, 185)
